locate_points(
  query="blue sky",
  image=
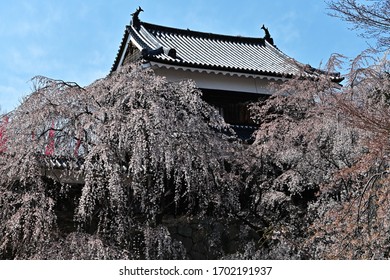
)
(76, 40)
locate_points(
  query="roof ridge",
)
(201, 34)
(176, 47)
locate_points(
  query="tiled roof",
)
(195, 49)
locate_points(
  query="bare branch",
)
(372, 19)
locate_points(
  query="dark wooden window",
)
(233, 106)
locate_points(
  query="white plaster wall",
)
(219, 81)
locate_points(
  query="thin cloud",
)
(286, 27)
(28, 18)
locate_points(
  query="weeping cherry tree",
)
(103, 165)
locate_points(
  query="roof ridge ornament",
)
(267, 36)
(135, 22)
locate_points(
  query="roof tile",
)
(211, 51)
